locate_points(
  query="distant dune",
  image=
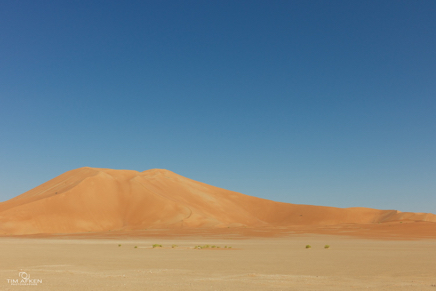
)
(93, 199)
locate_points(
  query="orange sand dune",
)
(92, 199)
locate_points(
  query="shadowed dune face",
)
(92, 199)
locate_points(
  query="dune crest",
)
(94, 199)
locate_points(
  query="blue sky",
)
(311, 102)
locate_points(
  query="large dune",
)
(93, 199)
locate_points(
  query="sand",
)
(64, 235)
(99, 200)
(253, 263)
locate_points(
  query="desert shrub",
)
(326, 246)
(204, 247)
(174, 246)
(308, 246)
(157, 246)
(209, 246)
(119, 245)
(136, 247)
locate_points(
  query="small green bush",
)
(204, 247)
(119, 245)
(174, 246)
(157, 246)
(209, 246)
(136, 247)
(308, 246)
(326, 246)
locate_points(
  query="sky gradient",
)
(327, 103)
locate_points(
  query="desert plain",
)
(94, 229)
(252, 263)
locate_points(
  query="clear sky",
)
(312, 102)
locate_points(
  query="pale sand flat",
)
(252, 264)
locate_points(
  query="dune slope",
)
(93, 199)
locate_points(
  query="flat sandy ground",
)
(279, 263)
